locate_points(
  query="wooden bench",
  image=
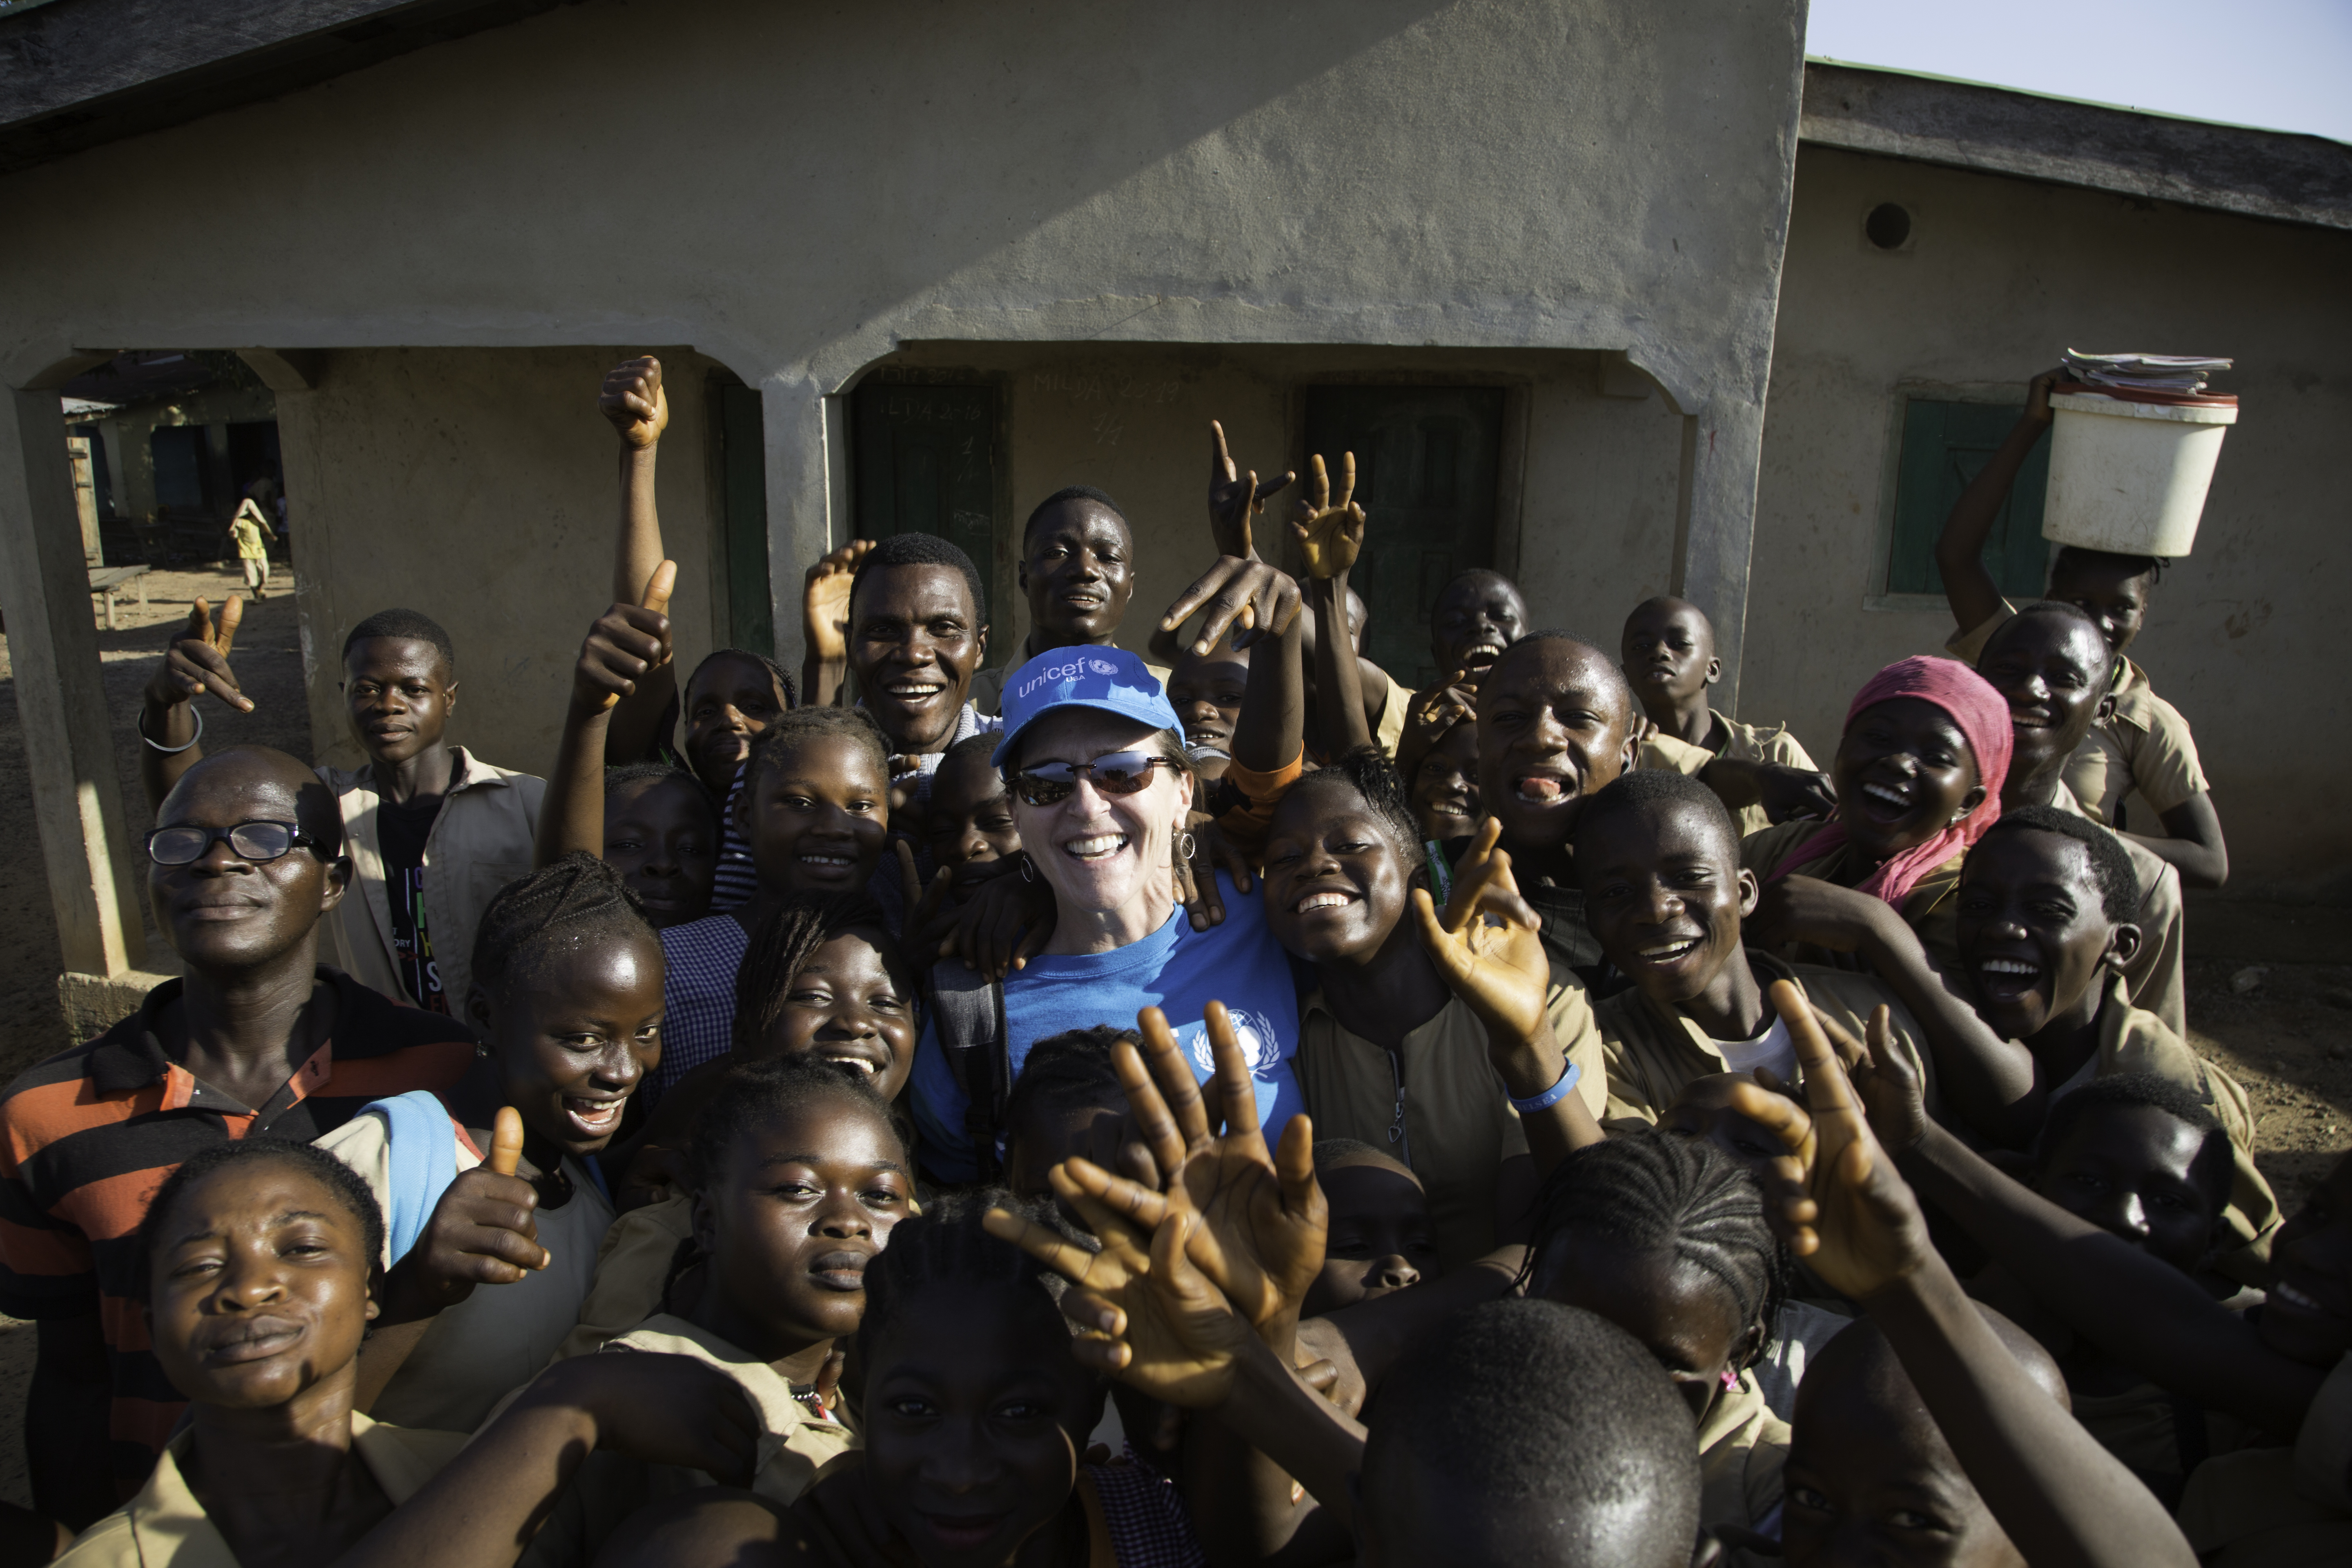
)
(107, 582)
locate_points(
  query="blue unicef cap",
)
(1110, 679)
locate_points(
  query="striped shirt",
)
(91, 1133)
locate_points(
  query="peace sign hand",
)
(1331, 532)
(1235, 499)
(1835, 1197)
(197, 660)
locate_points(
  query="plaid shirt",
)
(701, 958)
(1149, 1525)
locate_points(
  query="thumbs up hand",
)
(627, 643)
(482, 1232)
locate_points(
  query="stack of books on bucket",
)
(2181, 373)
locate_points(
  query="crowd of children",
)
(1064, 1110)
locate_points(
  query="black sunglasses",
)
(258, 842)
(1119, 772)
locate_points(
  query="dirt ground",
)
(2283, 1030)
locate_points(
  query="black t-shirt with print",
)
(401, 831)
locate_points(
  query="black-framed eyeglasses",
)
(258, 842)
(1117, 773)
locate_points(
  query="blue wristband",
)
(1552, 1096)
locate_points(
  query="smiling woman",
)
(1100, 784)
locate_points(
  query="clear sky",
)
(2283, 64)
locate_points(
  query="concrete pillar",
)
(94, 884)
(807, 484)
(1714, 525)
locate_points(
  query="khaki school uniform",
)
(2145, 746)
(497, 1337)
(2141, 1427)
(1742, 1449)
(480, 840)
(794, 1443)
(1928, 907)
(1742, 744)
(1392, 717)
(165, 1527)
(1437, 1104)
(2154, 977)
(633, 1268)
(987, 693)
(2280, 1507)
(1653, 1052)
(2134, 1040)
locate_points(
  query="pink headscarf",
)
(1982, 715)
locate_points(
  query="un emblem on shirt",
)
(1261, 1044)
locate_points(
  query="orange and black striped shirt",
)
(87, 1137)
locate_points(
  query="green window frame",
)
(1945, 444)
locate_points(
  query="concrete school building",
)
(1591, 289)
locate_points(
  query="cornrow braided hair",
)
(784, 687)
(788, 729)
(578, 896)
(760, 1093)
(1658, 1193)
(783, 941)
(944, 1248)
(1070, 1071)
(339, 1179)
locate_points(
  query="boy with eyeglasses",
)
(433, 831)
(259, 1039)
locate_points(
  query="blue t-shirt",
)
(1175, 969)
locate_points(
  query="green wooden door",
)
(1426, 464)
(1944, 446)
(926, 463)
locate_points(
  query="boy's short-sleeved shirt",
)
(1176, 969)
(1393, 716)
(165, 1526)
(91, 1133)
(1653, 1052)
(1437, 1104)
(2145, 746)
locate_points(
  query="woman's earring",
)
(1184, 845)
(1731, 1380)
(1028, 870)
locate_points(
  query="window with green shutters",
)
(926, 463)
(1944, 446)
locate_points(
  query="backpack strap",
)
(422, 1152)
(968, 1010)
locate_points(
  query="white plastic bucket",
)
(2128, 472)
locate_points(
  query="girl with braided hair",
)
(1667, 1237)
(567, 1000)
